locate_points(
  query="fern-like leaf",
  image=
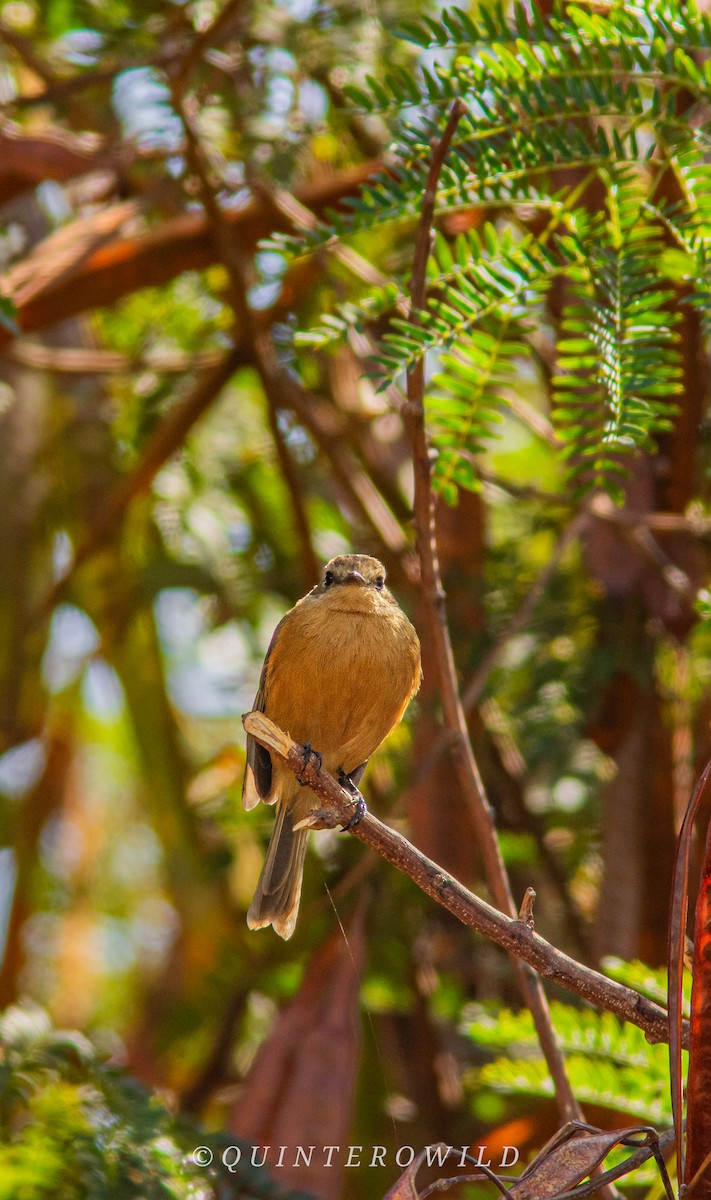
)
(464, 400)
(618, 362)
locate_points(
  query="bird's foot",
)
(308, 754)
(319, 818)
(360, 808)
(346, 782)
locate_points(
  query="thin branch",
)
(27, 54)
(80, 360)
(637, 529)
(215, 1070)
(285, 204)
(434, 599)
(220, 28)
(66, 87)
(508, 932)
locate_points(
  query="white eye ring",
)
(380, 582)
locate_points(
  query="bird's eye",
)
(328, 579)
(380, 582)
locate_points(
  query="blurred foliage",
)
(609, 1064)
(74, 1127)
(175, 465)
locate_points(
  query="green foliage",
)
(558, 107)
(71, 1126)
(617, 360)
(608, 1063)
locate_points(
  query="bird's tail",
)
(276, 899)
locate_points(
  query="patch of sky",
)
(518, 650)
(110, 943)
(154, 929)
(313, 101)
(21, 767)
(569, 794)
(263, 295)
(53, 202)
(280, 95)
(205, 667)
(239, 535)
(79, 46)
(142, 103)
(270, 267)
(72, 640)
(13, 239)
(102, 693)
(300, 10)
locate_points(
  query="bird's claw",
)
(360, 809)
(308, 754)
(319, 818)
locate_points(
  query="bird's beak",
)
(354, 577)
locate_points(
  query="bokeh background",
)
(173, 473)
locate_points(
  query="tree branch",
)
(465, 763)
(510, 933)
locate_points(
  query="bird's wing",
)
(257, 783)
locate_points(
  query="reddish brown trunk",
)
(698, 1090)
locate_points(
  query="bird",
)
(341, 668)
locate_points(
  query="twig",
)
(508, 932)
(215, 1070)
(80, 360)
(26, 52)
(638, 1159)
(211, 36)
(434, 599)
(638, 531)
(285, 204)
(73, 84)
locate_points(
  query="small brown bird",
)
(341, 669)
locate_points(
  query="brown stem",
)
(455, 721)
(509, 932)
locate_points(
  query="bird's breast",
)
(341, 675)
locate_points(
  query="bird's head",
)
(353, 570)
